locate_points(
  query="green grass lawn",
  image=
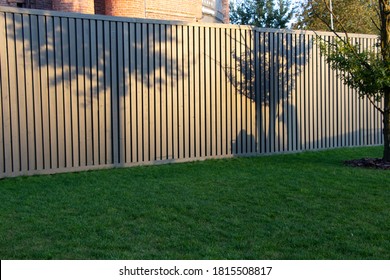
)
(297, 206)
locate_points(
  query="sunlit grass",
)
(298, 206)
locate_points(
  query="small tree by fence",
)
(80, 92)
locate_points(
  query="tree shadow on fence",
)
(88, 90)
(266, 72)
(301, 103)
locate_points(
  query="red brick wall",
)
(186, 10)
(86, 6)
(127, 8)
(79, 6)
(39, 4)
(100, 7)
(43, 4)
(64, 5)
(5, 3)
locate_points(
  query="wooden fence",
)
(79, 92)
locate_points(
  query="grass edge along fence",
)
(80, 92)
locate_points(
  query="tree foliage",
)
(367, 70)
(262, 13)
(356, 16)
(359, 68)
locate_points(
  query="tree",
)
(365, 70)
(262, 13)
(355, 15)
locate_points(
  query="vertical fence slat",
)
(121, 97)
(208, 92)
(340, 109)
(36, 94)
(247, 80)
(213, 93)
(325, 102)
(14, 92)
(158, 92)
(29, 92)
(285, 94)
(229, 92)
(253, 89)
(313, 95)
(115, 38)
(301, 93)
(197, 92)
(293, 132)
(186, 93)
(266, 95)
(234, 98)
(164, 87)
(316, 88)
(175, 92)
(21, 76)
(88, 99)
(73, 94)
(274, 93)
(53, 78)
(67, 98)
(342, 115)
(278, 92)
(289, 94)
(5, 95)
(274, 73)
(238, 89)
(246, 64)
(57, 100)
(223, 73)
(127, 95)
(202, 91)
(191, 100)
(331, 103)
(170, 83)
(180, 91)
(2, 82)
(362, 129)
(260, 43)
(108, 92)
(101, 92)
(151, 92)
(145, 93)
(139, 111)
(309, 97)
(133, 92)
(81, 91)
(218, 109)
(298, 88)
(307, 91)
(243, 92)
(94, 93)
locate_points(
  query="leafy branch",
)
(360, 69)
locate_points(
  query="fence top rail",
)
(7, 9)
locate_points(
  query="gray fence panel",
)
(80, 92)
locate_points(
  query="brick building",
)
(185, 10)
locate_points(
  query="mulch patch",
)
(369, 163)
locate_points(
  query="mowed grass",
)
(297, 206)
